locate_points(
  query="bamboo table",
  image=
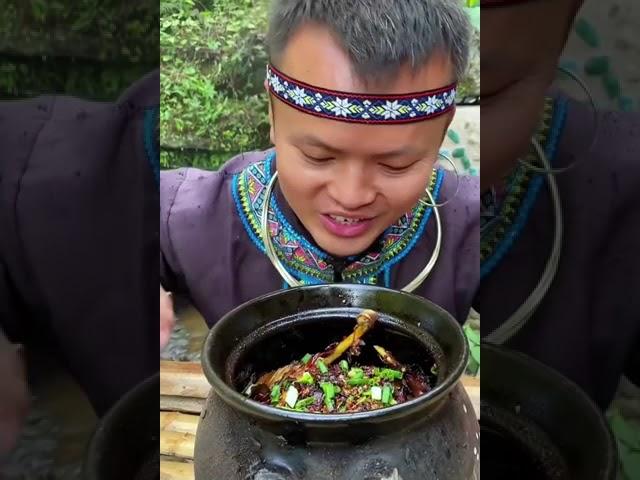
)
(183, 390)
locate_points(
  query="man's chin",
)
(344, 247)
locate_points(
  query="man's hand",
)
(14, 395)
(167, 317)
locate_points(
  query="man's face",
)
(347, 183)
(519, 53)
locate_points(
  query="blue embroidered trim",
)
(236, 199)
(387, 277)
(283, 220)
(418, 235)
(307, 277)
(360, 108)
(423, 224)
(153, 157)
(531, 196)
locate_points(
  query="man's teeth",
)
(345, 220)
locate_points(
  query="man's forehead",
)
(398, 148)
(314, 55)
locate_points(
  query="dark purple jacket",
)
(588, 325)
(79, 234)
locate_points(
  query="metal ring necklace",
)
(293, 282)
(520, 317)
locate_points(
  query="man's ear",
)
(449, 119)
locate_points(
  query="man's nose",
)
(352, 188)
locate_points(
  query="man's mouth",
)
(347, 227)
(346, 220)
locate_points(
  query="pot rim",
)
(242, 403)
(102, 435)
(582, 400)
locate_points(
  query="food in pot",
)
(321, 384)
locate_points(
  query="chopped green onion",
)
(292, 396)
(306, 379)
(376, 393)
(329, 394)
(386, 394)
(434, 369)
(344, 366)
(329, 389)
(275, 393)
(355, 373)
(393, 402)
(390, 374)
(357, 381)
(304, 403)
(306, 358)
(321, 366)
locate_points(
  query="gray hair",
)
(380, 36)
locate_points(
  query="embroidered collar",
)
(306, 261)
(502, 222)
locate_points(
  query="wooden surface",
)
(183, 388)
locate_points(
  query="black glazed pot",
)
(538, 425)
(433, 436)
(125, 443)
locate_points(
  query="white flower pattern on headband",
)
(341, 107)
(391, 109)
(360, 108)
(298, 95)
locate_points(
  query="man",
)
(361, 94)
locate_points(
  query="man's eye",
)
(317, 159)
(396, 169)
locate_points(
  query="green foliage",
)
(185, 157)
(627, 433)
(87, 48)
(212, 74)
(473, 338)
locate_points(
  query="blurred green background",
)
(212, 56)
(92, 49)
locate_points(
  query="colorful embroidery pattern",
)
(305, 261)
(360, 108)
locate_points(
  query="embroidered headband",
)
(359, 107)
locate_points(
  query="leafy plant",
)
(473, 337)
(628, 438)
